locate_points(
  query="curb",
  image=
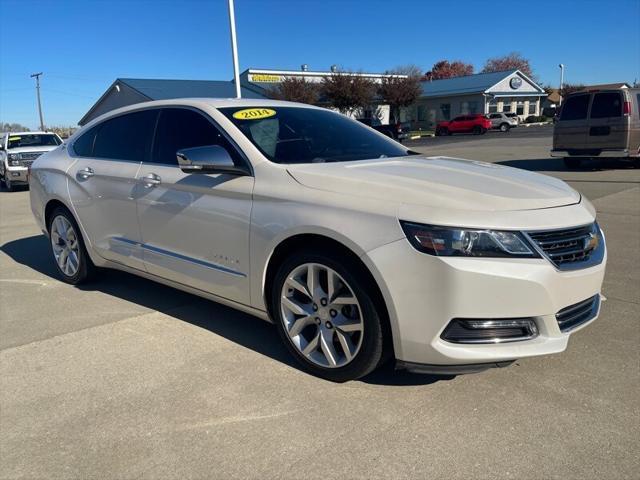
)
(536, 124)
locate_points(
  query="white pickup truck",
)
(18, 150)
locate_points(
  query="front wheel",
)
(504, 127)
(478, 130)
(326, 317)
(8, 184)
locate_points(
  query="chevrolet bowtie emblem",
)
(590, 242)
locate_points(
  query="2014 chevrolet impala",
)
(358, 249)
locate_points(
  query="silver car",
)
(503, 122)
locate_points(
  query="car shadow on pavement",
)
(243, 329)
(557, 165)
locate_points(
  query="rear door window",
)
(607, 105)
(180, 128)
(83, 146)
(575, 108)
(127, 137)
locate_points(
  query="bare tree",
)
(348, 92)
(512, 61)
(13, 127)
(446, 69)
(295, 89)
(399, 91)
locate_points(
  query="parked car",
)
(598, 124)
(513, 116)
(502, 122)
(397, 131)
(358, 249)
(18, 150)
(475, 123)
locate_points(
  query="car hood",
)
(438, 182)
(44, 149)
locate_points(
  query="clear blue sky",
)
(82, 46)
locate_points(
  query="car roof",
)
(16, 134)
(201, 103)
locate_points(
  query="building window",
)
(464, 108)
(422, 113)
(445, 108)
(493, 105)
(473, 107)
(533, 103)
(520, 107)
(506, 105)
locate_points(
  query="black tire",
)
(373, 350)
(504, 127)
(439, 132)
(8, 184)
(86, 269)
(572, 162)
(446, 131)
(477, 130)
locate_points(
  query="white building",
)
(510, 91)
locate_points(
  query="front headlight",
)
(14, 159)
(466, 242)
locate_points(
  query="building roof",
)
(607, 86)
(157, 89)
(478, 82)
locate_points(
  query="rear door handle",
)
(86, 173)
(151, 180)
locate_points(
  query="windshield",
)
(33, 140)
(310, 135)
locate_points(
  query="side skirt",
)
(194, 291)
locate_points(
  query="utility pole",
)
(37, 77)
(234, 47)
(561, 80)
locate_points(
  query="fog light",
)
(461, 330)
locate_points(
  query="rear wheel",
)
(326, 317)
(68, 249)
(572, 162)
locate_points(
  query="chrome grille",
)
(575, 315)
(571, 248)
(30, 156)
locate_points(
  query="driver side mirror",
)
(208, 159)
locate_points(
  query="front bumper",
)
(17, 175)
(424, 293)
(600, 153)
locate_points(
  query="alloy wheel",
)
(65, 245)
(321, 315)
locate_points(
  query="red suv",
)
(475, 123)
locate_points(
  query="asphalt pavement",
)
(126, 378)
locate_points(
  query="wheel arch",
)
(325, 243)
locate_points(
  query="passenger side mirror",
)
(208, 159)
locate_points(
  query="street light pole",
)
(561, 80)
(234, 47)
(37, 77)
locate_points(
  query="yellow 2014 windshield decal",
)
(254, 113)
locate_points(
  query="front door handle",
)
(86, 173)
(151, 180)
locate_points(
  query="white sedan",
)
(359, 250)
